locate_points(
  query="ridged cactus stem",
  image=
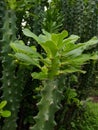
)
(12, 78)
(2, 8)
(49, 104)
(2, 13)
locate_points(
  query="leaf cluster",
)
(62, 54)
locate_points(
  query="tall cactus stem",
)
(12, 80)
(51, 96)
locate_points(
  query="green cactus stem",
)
(2, 13)
(51, 96)
(2, 8)
(12, 78)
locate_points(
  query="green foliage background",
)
(78, 17)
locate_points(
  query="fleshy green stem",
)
(12, 78)
(49, 104)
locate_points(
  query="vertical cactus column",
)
(12, 78)
(51, 96)
(2, 12)
(2, 7)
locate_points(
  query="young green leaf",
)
(6, 113)
(3, 104)
(58, 38)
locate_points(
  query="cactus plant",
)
(8, 74)
(63, 56)
(2, 13)
(12, 75)
(2, 7)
